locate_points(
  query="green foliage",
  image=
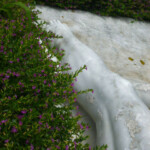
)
(7, 8)
(31, 87)
(23, 94)
(137, 10)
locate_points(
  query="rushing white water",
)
(116, 53)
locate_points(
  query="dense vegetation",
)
(136, 9)
(32, 87)
(36, 97)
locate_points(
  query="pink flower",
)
(32, 147)
(9, 71)
(17, 59)
(75, 99)
(57, 129)
(57, 147)
(77, 107)
(52, 116)
(78, 113)
(6, 141)
(20, 123)
(75, 144)
(40, 116)
(72, 84)
(40, 123)
(53, 140)
(50, 65)
(23, 111)
(74, 91)
(27, 141)
(81, 126)
(3, 121)
(33, 87)
(87, 127)
(6, 76)
(9, 97)
(52, 128)
(11, 62)
(67, 147)
(7, 28)
(47, 126)
(20, 116)
(20, 83)
(17, 74)
(14, 130)
(38, 90)
(1, 75)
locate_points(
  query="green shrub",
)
(32, 87)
